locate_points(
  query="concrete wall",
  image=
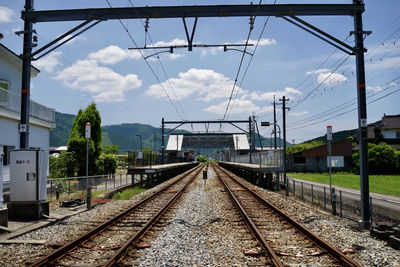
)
(39, 137)
(10, 72)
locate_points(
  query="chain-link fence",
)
(75, 187)
(269, 158)
(345, 203)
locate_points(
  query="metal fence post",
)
(120, 179)
(106, 181)
(324, 197)
(341, 208)
(370, 209)
(294, 187)
(51, 190)
(126, 178)
(312, 194)
(302, 191)
(114, 180)
(69, 187)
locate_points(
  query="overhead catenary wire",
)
(344, 112)
(251, 59)
(379, 49)
(148, 64)
(161, 64)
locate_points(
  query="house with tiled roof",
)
(386, 130)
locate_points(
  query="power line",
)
(345, 112)
(251, 60)
(147, 63)
(162, 67)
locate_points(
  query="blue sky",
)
(98, 67)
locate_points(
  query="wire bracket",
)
(190, 40)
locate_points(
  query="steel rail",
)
(307, 233)
(48, 259)
(253, 228)
(118, 255)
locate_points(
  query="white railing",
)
(270, 158)
(12, 102)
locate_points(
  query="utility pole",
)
(274, 123)
(162, 142)
(362, 115)
(250, 136)
(26, 79)
(253, 132)
(177, 147)
(88, 189)
(285, 181)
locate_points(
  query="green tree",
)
(111, 149)
(107, 163)
(77, 141)
(381, 159)
(201, 158)
(64, 165)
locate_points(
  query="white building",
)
(42, 118)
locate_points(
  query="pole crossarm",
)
(321, 35)
(180, 123)
(202, 122)
(61, 37)
(158, 12)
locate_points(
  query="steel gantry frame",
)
(287, 11)
(250, 132)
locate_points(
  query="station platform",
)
(150, 176)
(262, 176)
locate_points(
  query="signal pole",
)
(285, 181)
(274, 123)
(362, 115)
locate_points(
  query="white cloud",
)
(165, 56)
(6, 14)
(105, 84)
(317, 71)
(175, 41)
(241, 106)
(113, 54)
(300, 113)
(385, 63)
(269, 96)
(374, 89)
(263, 42)
(202, 84)
(331, 79)
(49, 62)
(77, 38)
(393, 84)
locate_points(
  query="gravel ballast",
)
(205, 230)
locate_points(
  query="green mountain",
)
(335, 136)
(59, 136)
(124, 135)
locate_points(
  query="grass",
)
(383, 184)
(128, 193)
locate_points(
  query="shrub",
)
(382, 159)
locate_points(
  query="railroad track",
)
(104, 245)
(286, 242)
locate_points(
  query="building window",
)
(397, 134)
(4, 86)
